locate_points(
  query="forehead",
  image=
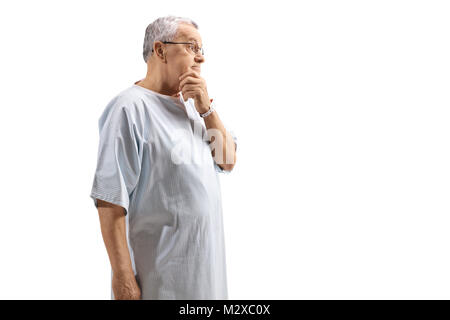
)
(188, 32)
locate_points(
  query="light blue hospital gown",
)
(173, 216)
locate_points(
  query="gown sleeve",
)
(118, 158)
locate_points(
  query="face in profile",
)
(182, 57)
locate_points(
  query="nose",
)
(199, 58)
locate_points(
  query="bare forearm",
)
(112, 221)
(228, 158)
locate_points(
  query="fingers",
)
(191, 84)
(189, 94)
(190, 80)
(188, 87)
(188, 73)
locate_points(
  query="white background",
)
(341, 108)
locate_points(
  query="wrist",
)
(209, 111)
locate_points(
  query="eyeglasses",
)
(192, 46)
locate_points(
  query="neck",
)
(153, 81)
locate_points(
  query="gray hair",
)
(162, 29)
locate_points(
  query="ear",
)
(159, 50)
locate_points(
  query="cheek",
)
(183, 67)
(186, 63)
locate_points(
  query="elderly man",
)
(156, 185)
